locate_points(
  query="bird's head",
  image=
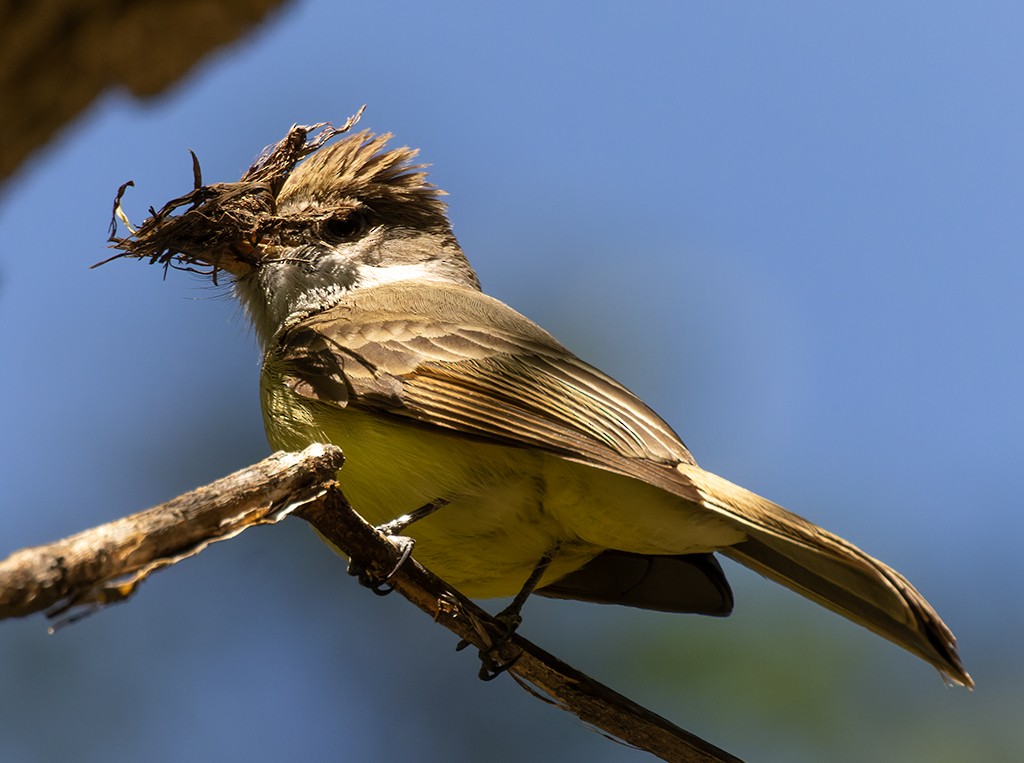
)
(308, 223)
(353, 215)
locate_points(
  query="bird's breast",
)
(507, 506)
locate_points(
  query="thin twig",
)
(543, 673)
(106, 564)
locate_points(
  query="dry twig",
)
(105, 565)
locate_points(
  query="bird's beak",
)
(245, 256)
(240, 258)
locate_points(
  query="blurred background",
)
(793, 228)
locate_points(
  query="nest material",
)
(224, 222)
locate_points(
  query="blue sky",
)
(795, 229)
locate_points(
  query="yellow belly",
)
(507, 506)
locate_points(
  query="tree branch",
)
(106, 564)
(78, 575)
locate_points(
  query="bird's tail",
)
(830, 571)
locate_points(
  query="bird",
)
(525, 469)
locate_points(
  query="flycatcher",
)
(377, 338)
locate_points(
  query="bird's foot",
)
(492, 663)
(381, 585)
(393, 531)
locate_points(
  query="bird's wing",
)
(456, 359)
(453, 358)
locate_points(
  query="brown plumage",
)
(387, 184)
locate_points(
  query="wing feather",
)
(501, 379)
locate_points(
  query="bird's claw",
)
(382, 585)
(491, 664)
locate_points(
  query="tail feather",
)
(832, 572)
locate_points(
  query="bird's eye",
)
(343, 228)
